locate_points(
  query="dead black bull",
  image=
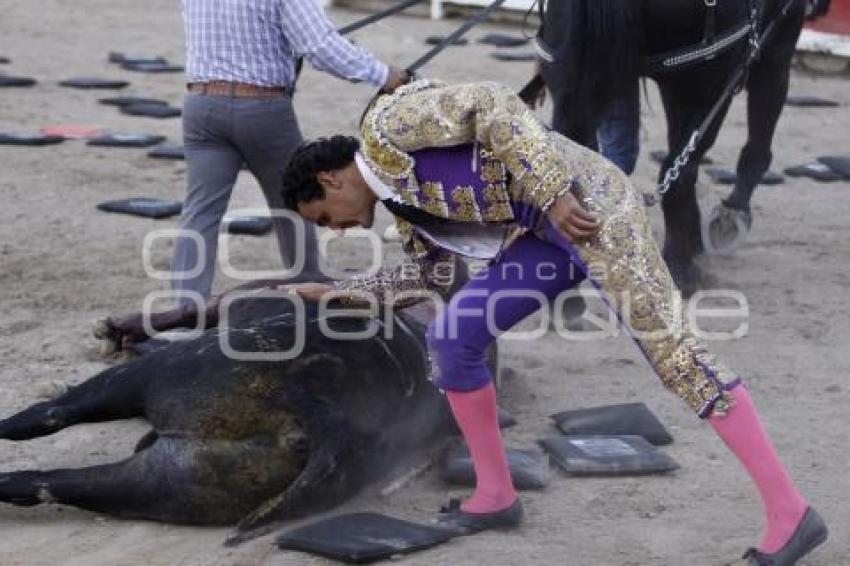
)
(247, 442)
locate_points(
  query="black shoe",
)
(461, 522)
(809, 533)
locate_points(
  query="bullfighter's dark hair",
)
(300, 183)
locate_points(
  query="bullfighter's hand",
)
(571, 219)
(312, 292)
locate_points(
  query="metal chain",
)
(754, 31)
(673, 172)
(735, 85)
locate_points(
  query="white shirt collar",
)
(378, 187)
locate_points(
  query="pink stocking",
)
(742, 432)
(477, 416)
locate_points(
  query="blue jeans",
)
(618, 129)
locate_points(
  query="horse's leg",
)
(683, 233)
(117, 393)
(767, 88)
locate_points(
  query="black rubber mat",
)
(513, 56)
(361, 538)
(248, 225)
(151, 110)
(607, 455)
(10, 81)
(167, 151)
(143, 206)
(126, 140)
(838, 163)
(503, 40)
(529, 469)
(817, 171)
(151, 67)
(438, 39)
(128, 100)
(94, 83)
(14, 138)
(626, 418)
(728, 177)
(805, 101)
(117, 57)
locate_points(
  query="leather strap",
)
(710, 22)
(236, 90)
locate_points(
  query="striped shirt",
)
(257, 41)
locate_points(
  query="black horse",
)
(599, 50)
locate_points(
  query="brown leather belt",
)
(236, 90)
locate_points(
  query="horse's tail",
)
(613, 50)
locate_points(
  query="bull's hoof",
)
(726, 229)
(15, 489)
(102, 329)
(111, 339)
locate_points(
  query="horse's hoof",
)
(726, 229)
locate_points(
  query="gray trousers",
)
(220, 133)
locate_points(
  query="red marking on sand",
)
(72, 131)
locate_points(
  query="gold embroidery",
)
(544, 165)
(497, 205)
(466, 208)
(434, 199)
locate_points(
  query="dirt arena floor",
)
(63, 264)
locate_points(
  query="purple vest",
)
(463, 182)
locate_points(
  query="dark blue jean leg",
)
(618, 130)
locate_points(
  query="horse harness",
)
(712, 44)
(733, 86)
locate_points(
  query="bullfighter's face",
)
(348, 201)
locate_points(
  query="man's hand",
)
(395, 78)
(312, 292)
(573, 221)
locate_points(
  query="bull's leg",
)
(117, 393)
(333, 472)
(175, 480)
(119, 332)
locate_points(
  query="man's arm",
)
(427, 268)
(311, 34)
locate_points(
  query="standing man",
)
(449, 159)
(241, 66)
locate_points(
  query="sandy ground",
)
(63, 264)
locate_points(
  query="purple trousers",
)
(530, 274)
